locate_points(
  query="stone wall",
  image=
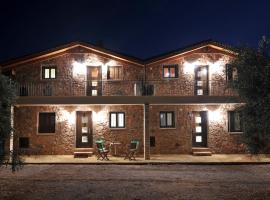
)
(184, 84)
(179, 139)
(71, 78)
(171, 140)
(63, 140)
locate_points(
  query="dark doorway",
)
(94, 81)
(201, 80)
(200, 131)
(84, 129)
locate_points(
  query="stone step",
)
(202, 153)
(199, 149)
(83, 152)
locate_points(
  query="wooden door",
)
(201, 80)
(94, 83)
(84, 129)
(200, 130)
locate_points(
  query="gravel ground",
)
(248, 182)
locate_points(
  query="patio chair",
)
(102, 152)
(132, 150)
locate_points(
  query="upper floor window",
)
(46, 122)
(231, 73)
(114, 72)
(48, 72)
(167, 119)
(170, 71)
(235, 121)
(117, 120)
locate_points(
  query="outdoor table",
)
(115, 146)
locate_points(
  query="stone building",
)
(176, 103)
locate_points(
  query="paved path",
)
(248, 182)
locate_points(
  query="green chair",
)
(102, 152)
(132, 150)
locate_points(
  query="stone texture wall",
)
(72, 82)
(63, 140)
(179, 139)
(173, 140)
(184, 84)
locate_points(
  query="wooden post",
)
(146, 132)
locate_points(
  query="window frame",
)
(38, 124)
(119, 67)
(230, 73)
(176, 71)
(50, 67)
(166, 113)
(117, 122)
(230, 130)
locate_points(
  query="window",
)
(231, 73)
(170, 71)
(46, 123)
(117, 120)
(235, 121)
(49, 72)
(152, 141)
(167, 119)
(114, 72)
(23, 142)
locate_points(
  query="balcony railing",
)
(123, 88)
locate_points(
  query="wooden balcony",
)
(124, 92)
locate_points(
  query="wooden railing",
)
(123, 88)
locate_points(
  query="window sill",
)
(45, 134)
(235, 133)
(167, 128)
(118, 129)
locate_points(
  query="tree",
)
(253, 86)
(7, 98)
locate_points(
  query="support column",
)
(11, 139)
(146, 132)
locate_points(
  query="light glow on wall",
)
(99, 117)
(79, 68)
(214, 67)
(215, 115)
(68, 116)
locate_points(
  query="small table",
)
(115, 145)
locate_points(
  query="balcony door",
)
(201, 80)
(199, 137)
(94, 83)
(84, 129)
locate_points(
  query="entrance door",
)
(84, 130)
(94, 83)
(201, 80)
(199, 138)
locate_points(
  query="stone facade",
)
(184, 84)
(63, 140)
(168, 140)
(71, 78)
(71, 81)
(179, 139)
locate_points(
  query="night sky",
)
(138, 28)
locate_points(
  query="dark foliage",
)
(253, 85)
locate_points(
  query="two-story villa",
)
(72, 95)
